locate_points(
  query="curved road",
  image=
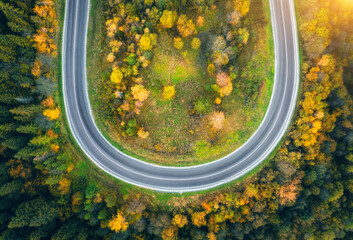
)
(179, 179)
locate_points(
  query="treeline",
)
(305, 192)
(29, 140)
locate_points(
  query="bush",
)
(90, 191)
(195, 43)
(131, 60)
(203, 106)
(168, 92)
(131, 131)
(178, 43)
(132, 123)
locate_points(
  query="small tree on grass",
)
(168, 92)
(178, 43)
(217, 120)
(195, 43)
(168, 19)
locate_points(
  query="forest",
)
(49, 190)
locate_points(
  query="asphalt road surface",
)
(179, 179)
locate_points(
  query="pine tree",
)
(15, 142)
(17, 19)
(24, 112)
(27, 129)
(6, 128)
(34, 213)
(10, 187)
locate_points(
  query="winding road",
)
(179, 179)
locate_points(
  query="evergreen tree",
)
(34, 213)
(17, 18)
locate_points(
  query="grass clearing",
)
(175, 132)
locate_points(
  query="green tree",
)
(33, 213)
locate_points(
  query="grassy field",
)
(176, 134)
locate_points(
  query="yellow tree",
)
(52, 114)
(198, 219)
(168, 92)
(180, 220)
(195, 43)
(244, 33)
(139, 93)
(147, 41)
(116, 76)
(142, 133)
(168, 19)
(36, 69)
(226, 90)
(110, 57)
(178, 43)
(118, 223)
(211, 236)
(242, 6)
(64, 186)
(112, 26)
(185, 26)
(170, 233)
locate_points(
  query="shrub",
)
(168, 19)
(116, 76)
(132, 123)
(168, 92)
(139, 92)
(178, 43)
(222, 79)
(52, 114)
(195, 43)
(185, 26)
(131, 59)
(217, 120)
(203, 106)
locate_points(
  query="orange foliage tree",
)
(118, 223)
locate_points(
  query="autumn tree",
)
(168, 19)
(168, 92)
(195, 43)
(217, 120)
(52, 114)
(180, 220)
(118, 223)
(185, 26)
(178, 43)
